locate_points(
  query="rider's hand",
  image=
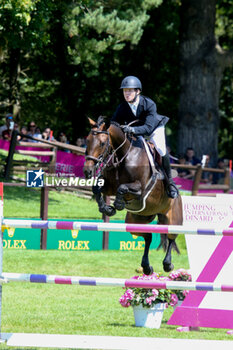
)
(128, 129)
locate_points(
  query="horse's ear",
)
(103, 126)
(92, 122)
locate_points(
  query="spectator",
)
(80, 142)
(37, 133)
(207, 176)
(62, 138)
(48, 135)
(6, 130)
(218, 178)
(23, 131)
(32, 131)
(190, 157)
(184, 173)
(16, 127)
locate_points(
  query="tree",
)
(60, 47)
(202, 63)
(22, 31)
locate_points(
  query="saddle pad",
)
(149, 155)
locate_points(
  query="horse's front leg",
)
(108, 210)
(130, 188)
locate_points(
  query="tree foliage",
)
(61, 61)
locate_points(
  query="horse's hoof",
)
(109, 210)
(168, 267)
(119, 205)
(139, 270)
(148, 270)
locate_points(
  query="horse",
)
(123, 164)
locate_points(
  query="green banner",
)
(75, 240)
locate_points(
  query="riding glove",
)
(128, 129)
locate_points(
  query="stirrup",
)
(172, 190)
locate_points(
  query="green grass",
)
(4, 154)
(42, 308)
(25, 202)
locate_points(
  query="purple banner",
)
(67, 163)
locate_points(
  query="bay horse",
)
(123, 164)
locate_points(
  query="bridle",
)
(108, 159)
(101, 157)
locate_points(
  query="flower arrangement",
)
(180, 275)
(148, 297)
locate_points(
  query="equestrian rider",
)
(150, 123)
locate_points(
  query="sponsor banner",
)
(75, 240)
(207, 253)
(69, 163)
(66, 163)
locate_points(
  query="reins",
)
(118, 162)
(106, 159)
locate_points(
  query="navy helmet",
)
(131, 82)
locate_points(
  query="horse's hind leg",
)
(145, 264)
(167, 264)
(173, 217)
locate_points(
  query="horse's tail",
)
(164, 243)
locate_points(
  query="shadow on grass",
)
(115, 324)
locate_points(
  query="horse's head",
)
(97, 145)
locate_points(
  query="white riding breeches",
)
(158, 140)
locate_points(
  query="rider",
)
(150, 123)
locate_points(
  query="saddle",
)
(156, 156)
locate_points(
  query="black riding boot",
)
(172, 190)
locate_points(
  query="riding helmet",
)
(131, 82)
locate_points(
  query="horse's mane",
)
(101, 119)
(115, 123)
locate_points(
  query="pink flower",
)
(126, 298)
(123, 301)
(155, 292)
(149, 300)
(129, 294)
(185, 293)
(173, 300)
(180, 275)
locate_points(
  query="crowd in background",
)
(188, 158)
(32, 130)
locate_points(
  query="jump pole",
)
(134, 228)
(115, 282)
